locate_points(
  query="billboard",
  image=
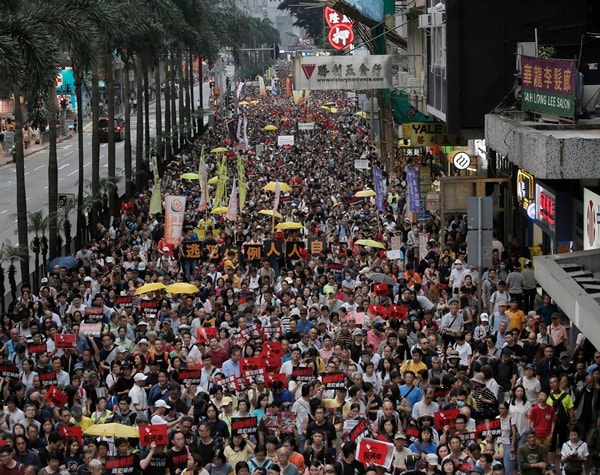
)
(343, 72)
(549, 86)
(591, 220)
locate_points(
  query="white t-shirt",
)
(138, 396)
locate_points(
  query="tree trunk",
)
(21, 192)
(183, 134)
(190, 96)
(139, 140)
(95, 185)
(52, 178)
(167, 133)
(147, 145)
(175, 135)
(200, 111)
(129, 183)
(160, 149)
(79, 236)
(112, 156)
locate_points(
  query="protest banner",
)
(304, 374)
(90, 329)
(488, 427)
(335, 380)
(288, 421)
(153, 433)
(360, 430)
(34, 348)
(204, 334)
(375, 452)
(251, 364)
(190, 375)
(270, 378)
(120, 465)
(48, 379)
(272, 418)
(9, 370)
(244, 425)
(125, 301)
(71, 431)
(65, 341)
(94, 314)
(445, 418)
(56, 396)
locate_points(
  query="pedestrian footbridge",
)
(573, 281)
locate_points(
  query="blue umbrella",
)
(68, 262)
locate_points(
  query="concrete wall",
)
(563, 152)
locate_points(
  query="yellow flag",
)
(156, 199)
(222, 182)
(242, 187)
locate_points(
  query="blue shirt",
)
(229, 368)
(304, 326)
(412, 394)
(284, 396)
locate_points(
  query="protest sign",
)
(375, 452)
(153, 433)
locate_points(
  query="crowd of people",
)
(291, 354)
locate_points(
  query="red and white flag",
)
(232, 209)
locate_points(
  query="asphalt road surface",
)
(36, 174)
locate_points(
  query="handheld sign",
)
(154, 433)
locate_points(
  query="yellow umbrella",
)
(243, 103)
(219, 210)
(190, 176)
(289, 225)
(361, 114)
(112, 429)
(213, 180)
(333, 110)
(270, 212)
(325, 108)
(219, 150)
(330, 104)
(370, 243)
(272, 185)
(365, 193)
(270, 128)
(255, 102)
(182, 288)
(151, 287)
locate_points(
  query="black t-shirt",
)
(206, 451)
(123, 384)
(177, 460)
(344, 468)
(157, 465)
(293, 337)
(327, 428)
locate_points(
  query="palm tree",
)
(38, 225)
(12, 255)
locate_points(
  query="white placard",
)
(361, 164)
(285, 140)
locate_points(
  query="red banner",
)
(48, 379)
(362, 429)
(190, 375)
(116, 465)
(65, 341)
(56, 396)
(90, 329)
(251, 364)
(154, 433)
(445, 418)
(244, 425)
(9, 370)
(488, 427)
(399, 312)
(204, 334)
(302, 374)
(375, 452)
(37, 348)
(270, 378)
(72, 431)
(375, 311)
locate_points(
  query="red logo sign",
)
(341, 36)
(334, 18)
(154, 433)
(308, 69)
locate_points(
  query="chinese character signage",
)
(174, 216)
(427, 134)
(341, 34)
(545, 211)
(591, 220)
(343, 72)
(549, 86)
(525, 188)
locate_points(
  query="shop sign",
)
(525, 189)
(591, 220)
(7, 107)
(545, 211)
(427, 134)
(549, 86)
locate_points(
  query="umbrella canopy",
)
(325, 108)
(380, 278)
(151, 287)
(270, 127)
(190, 176)
(243, 103)
(272, 185)
(213, 180)
(270, 212)
(289, 225)
(365, 193)
(219, 210)
(333, 110)
(361, 114)
(112, 429)
(68, 262)
(219, 150)
(330, 104)
(255, 102)
(182, 288)
(370, 243)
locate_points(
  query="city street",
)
(36, 173)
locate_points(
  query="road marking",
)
(68, 146)
(60, 179)
(27, 173)
(69, 152)
(64, 166)
(41, 166)
(72, 173)
(45, 188)
(5, 211)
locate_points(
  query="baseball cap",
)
(87, 279)
(502, 304)
(143, 341)
(357, 332)
(477, 469)
(140, 377)
(484, 317)
(563, 354)
(226, 401)
(161, 403)
(122, 349)
(498, 466)
(432, 459)
(45, 280)
(530, 366)
(165, 249)
(453, 355)
(400, 435)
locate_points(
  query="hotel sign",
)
(525, 188)
(549, 86)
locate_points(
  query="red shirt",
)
(542, 420)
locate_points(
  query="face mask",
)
(502, 267)
(460, 403)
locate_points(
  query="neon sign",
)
(545, 206)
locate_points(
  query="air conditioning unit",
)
(425, 21)
(403, 79)
(438, 18)
(414, 83)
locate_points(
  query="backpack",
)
(562, 418)
(493, 287)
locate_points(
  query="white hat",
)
(484, 317)
(44, 280)
(140, 377)
(142, 341)
(165, 249)
(161, 403)
(87, 279)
